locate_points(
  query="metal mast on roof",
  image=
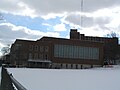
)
(1, 16)
(81, 13)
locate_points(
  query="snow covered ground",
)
(66, 79)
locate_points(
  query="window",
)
(31, 47)
(46, 57)
(17, 46)
(41, 48)
(46, 48)
(70, 51)
(30, 55)
(36, 56)
(71, 65)
(36, 48)
(40, 56)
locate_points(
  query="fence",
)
(8, 82)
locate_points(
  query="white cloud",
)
(97, 23)
(94, 31)
(99, 16)
(98, 31)
(61, 6)
(26, 31)
(102, 16)
(52, 15)
(9, 32)
(17, 7)
(46, 24)
(26, 10)
(115, 16)
(64, 8)
(50, 7)
(74, 18)
(59, 27)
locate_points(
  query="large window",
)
(70, 51)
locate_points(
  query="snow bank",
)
(64, 79)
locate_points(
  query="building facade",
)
(49, 52)
(111, 46)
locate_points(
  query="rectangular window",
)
(41, 48)
(46, 57)
(30, 55)
(70, 51)
(36, 56)
(41, 56)
(31, 47)
(46, 48)
(36, 48)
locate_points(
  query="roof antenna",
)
(81, 17)
(1, 16)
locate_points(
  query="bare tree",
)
(112, 34)
(5, 50)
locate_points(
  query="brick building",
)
(79, 51)
(111, 46)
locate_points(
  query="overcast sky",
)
(32, 19)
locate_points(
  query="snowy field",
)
(66, 79)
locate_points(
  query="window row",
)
(38, 48)
(94, 39)
(69, 51)
(38, 56)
